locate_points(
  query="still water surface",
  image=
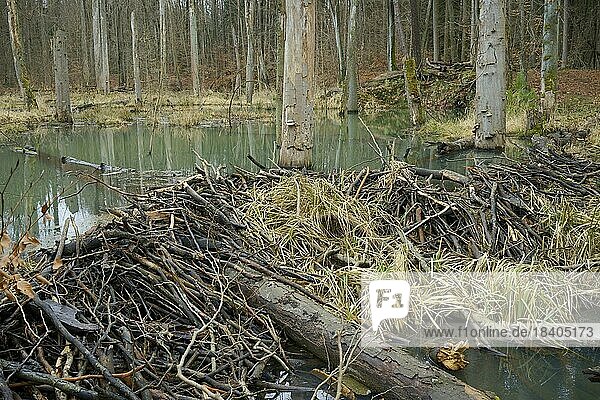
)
(165, 154)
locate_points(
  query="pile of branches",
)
(144, 307)
(147, 306)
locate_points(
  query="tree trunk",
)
(105, 80)
(17, 50)
(435, 30)
(280, 54)
(194, 49)
(565, 34)
(162, 23)
(238, 61)
(351, 62)
(61, 78)
(413, 95)
(549, 72)
(85, 63)
(415, 32)
(391, 37)
(463, 29)
(391, 371)
(249, 6)
(491, 76)
(334, 13)
(522, 65)
(97, 43)
(136, 62)
(298, 84)
(474, 33)
(400, 29)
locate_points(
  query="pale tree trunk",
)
(298, 84)
(391, 37)
(85, 66)
(334, 13)
(280, 53)
(522, 50)
(136, 62)
(105, 81)
(400, 29)
(249, 6)
(162, 24)
(447, 29)
(474, 34)
(435, 30)
(238, 61)
(61, 78)
(194, 49)
(549, 72)
(97, 39)
(490, 89)
(565, 34)
(18, 60)
(351, 63)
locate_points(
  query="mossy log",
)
(391, 371)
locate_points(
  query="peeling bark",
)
(61, 78)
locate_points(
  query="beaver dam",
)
(193, 289)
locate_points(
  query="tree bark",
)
(61, 78)
(549, 71)
(249, 6)
(351, 62)
(18, 60)
(83, 26)
(334, 13)
(298, 84)
(194, 49)
(474, 33)
(400, 29)
(136, 62)
(238, 61)
(413, 93)
(97, 43)
(389, 371)
(415, 32)
(105, 81)
(391, 36)
(491, 76)
(565, 33)
(162, 24)
(435, 30)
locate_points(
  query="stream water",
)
(165, 153)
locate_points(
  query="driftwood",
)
(594, 373)
(81, 163)
(458, 145)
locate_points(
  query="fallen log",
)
(392, 372)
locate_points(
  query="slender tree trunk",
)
(85, 62)
(491, 76)
(425, 28)
(162, 23)
(280, 53)
(17, 50)
(549, 72)
(136, 62)
(447, 39)
(335, 21)
(463, 29)
(522, 65)
(249, 6)
(565, 33)
(238, 59)
(351, 62)
(97, 39)
(194, 49)
(474, 33)
(391, 37)
(435, 30)
(413, 92)
(415, 29)
(105, 81)
(400, 29)
(61, 78)
(298, 84)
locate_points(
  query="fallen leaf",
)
(57, 263)
(25, 288)
(45, 208)
(4, 241)
(42, 280)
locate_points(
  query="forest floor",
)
(578, 106)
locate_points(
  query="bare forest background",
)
(238, 40)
